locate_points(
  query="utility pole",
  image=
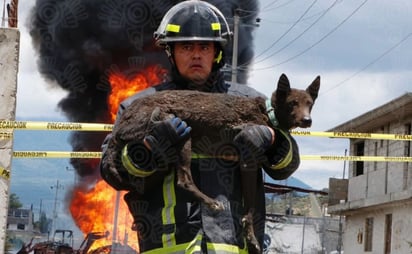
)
(235, 45)
(116, 214)
(340, 216)
(41, 204)
(57, 187)
(3, 16)
(75, 174)
(303, 235)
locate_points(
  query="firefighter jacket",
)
(168, 219)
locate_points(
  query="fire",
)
(94, 210)
(123, 87)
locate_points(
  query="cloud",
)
(36, 97)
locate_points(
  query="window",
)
(20, 226)
(407, 148)
(359, 151)
(382, 131)
(375, 153)
(406, 153)
(388, 233)
(368, 234)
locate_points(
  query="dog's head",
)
(293, 106)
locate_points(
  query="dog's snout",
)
(307, 121)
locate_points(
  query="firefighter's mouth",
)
(196, 66)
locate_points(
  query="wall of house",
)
(384, 188)
(357, 188)
(9, 59)
(381, 178)
(401, 234)
(20, 220)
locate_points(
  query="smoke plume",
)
(80, 42)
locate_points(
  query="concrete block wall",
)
(382, 177)
(9, 59)
(400, 239)
(338, 190)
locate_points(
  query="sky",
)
(361, 49)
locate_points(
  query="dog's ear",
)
(313, 89)
(283, 88)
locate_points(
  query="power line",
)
(323, 13)
(301, 34)
(316, 43)
(266, 9)
(270, 4)
(371, 62)
(288, 30)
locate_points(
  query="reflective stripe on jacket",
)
(168, 219)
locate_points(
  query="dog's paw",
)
(253, 247)
(252, 242)
(217, 206)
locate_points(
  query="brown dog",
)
(208, 114)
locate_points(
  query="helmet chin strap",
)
(169, 51)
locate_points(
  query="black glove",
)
(166, 135)
(253, 139)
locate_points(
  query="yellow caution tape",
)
(55, 154)
(356, 158)
(55, 126)
(4, 173)
(352, 135)
(6, 135)
(71, 126)
(91, 155)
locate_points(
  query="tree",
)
(44, 223)
(14, 201)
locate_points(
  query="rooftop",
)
(393, 111)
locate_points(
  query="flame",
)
(123, 87)
(93, 210)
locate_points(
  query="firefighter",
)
(167, 218)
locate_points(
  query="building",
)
(20, 220)
(376, 199)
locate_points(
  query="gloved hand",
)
(164, 137)
(166, 134)
(256, 139)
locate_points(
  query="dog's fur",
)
(208, 114)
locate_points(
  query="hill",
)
(291, 181)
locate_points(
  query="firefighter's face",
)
(194, 60)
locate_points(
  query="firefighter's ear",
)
(218, 56)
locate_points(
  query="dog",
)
(208, 114)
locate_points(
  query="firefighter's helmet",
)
(192, 20)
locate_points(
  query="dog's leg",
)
(249, 181)
(185, 180)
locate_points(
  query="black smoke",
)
(80, 42)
